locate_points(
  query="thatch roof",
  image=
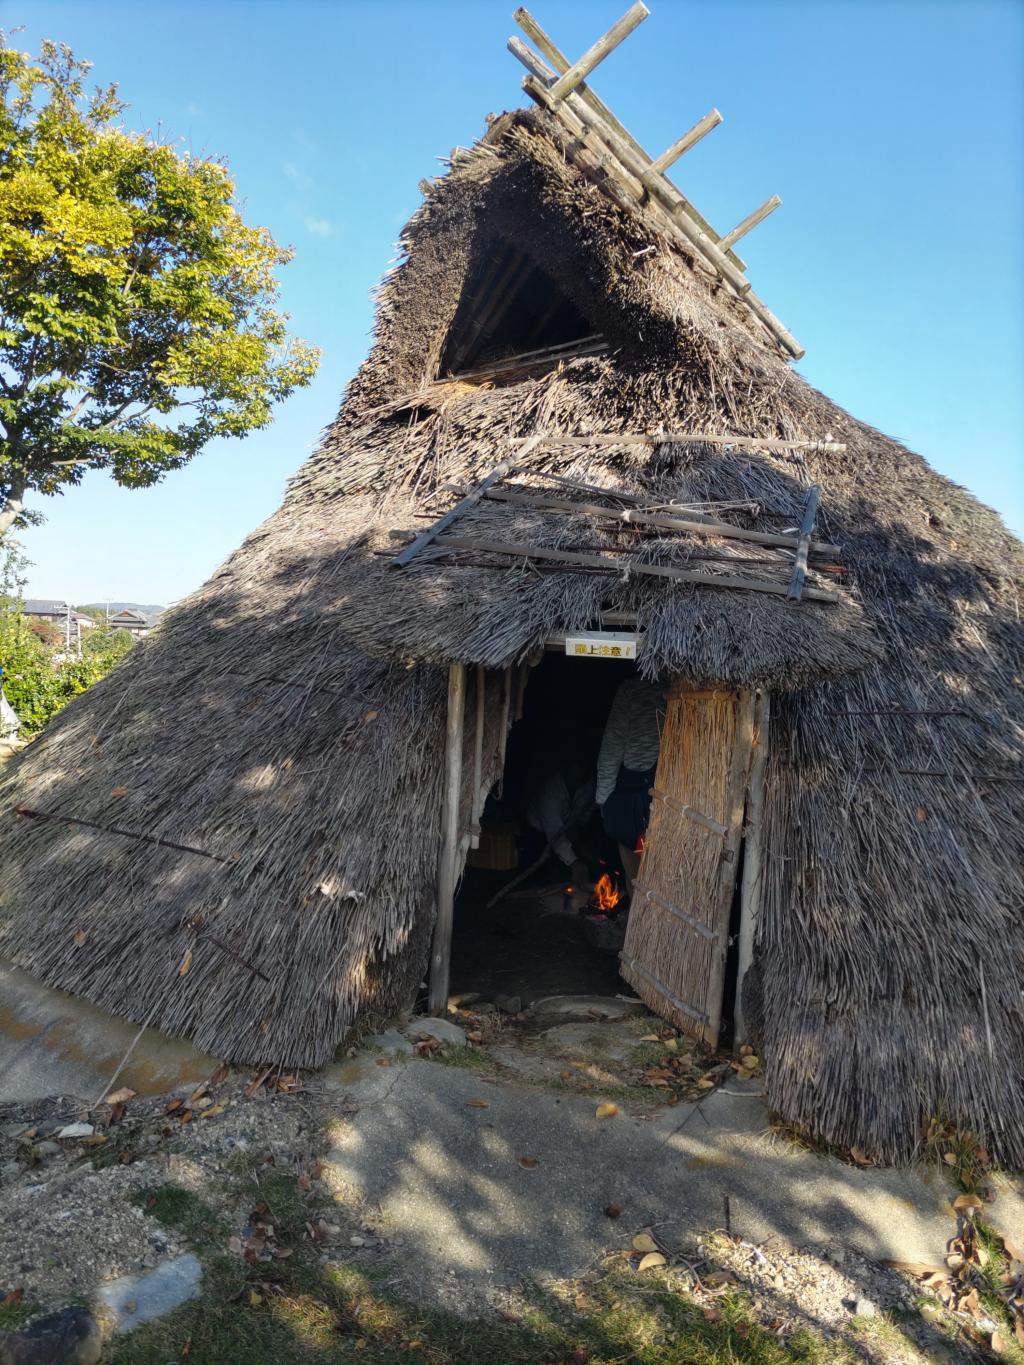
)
(235, 834)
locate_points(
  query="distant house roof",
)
(129, 614)
(44, 606)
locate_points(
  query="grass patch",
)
(296, 1310)
(184, 1211)
(462, 1054)
(14, 1316)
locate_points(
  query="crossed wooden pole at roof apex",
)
(627, 170)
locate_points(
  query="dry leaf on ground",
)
(643, 1241)
(652, 1260)
(606, 1111)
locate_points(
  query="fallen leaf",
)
(474, 1036)
(212, 1112)
(861, 1157)
(613, 1210)
(119, 791)
(15, 1296)
(705, 1084)
(528, 1162)
(643, 1241)
(652, 1260)
(922, 815)
(751, 1061)
(950, 1158)
(254, 1298)
(606, 1110)
(79, 937)
(220, 1075)
(712, 1315)
(967, 1201)
(186, 962)
(478, 1104)
(998, 1343)
(671, 1044)
(386, 1061)
(746, 1050)
(370, 715)
(121, 1096)
(174, 1105)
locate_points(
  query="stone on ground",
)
(70, 1337)
(584, 1007)
(441, 1029)
(135, 1299)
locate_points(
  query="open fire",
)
(606, 894)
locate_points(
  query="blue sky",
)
(892, 129)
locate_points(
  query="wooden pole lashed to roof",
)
(547, 48)
(689, 139)
(626, 162)
(750, 222)
(609, 41)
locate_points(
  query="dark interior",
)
(509, 306)
(531, 944)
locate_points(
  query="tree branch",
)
(13, 507)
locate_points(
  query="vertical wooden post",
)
(753, 857)
(478, 757)
(739, 769)
(441, 949)
(506, 725)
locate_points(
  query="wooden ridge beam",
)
(596, 54)
(750, 222)
(548, 49)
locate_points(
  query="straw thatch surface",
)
(268, 727)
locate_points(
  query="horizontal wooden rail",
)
(687, 919)
(697, 816)
(720, 529)
(660, 438)
(669, 995)
(594, 561)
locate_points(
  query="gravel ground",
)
(71, 1214)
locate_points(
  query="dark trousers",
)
(627, 811)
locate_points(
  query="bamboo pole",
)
(660, 164)
(560, 62)
(441, 948)
(753, 857)
(596, 54)
(750, 222)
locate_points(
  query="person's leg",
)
(630, 866)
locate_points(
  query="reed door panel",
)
(677, 935)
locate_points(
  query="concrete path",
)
(447, 1178)
(52, 1043)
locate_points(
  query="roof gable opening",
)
(509, 307)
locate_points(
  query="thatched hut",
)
(243, 834)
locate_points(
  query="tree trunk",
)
(12, 508)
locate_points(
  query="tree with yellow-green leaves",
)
(138, 312)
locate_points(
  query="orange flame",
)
(606, 893)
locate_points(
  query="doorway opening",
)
(545, 936)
